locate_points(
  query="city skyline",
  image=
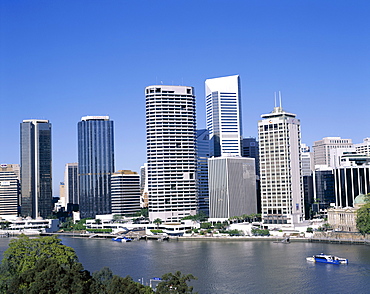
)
(60, 64)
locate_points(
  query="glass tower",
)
(36, 180)
(223, 115)
(203, 151)
(95, 165)
(71, 185)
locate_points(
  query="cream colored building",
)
(344, 219)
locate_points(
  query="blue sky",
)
(61, 60)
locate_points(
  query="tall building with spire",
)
(171, 153)
(280, 168)
(223, 111)
(36, 177)
(95, 165)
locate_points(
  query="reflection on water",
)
(231, 267)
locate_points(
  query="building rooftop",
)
(94, 117)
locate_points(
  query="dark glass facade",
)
(36, 177)
(95, 165)
(250, 149)
(203, 153)
(71, 186)
(324, 188)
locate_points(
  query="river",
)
(231, 266)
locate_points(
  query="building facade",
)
(324, 187)
(95, 165)
(71, 190)
(36, 168)
(351, 181)
(250, 149)
(223, 115)
(171, 153)
(9, 189)
(364, 147)
(232, 187)
(321, 148)
(144, 202)
(203, 153)
(280, 168)
(125, 189)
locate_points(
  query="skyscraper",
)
(9, 189)
(171, 158)
(232, 187)
(250, 149)
(95, 165)
(223, 111)
(280, 168)
(36, 178)
(203, 153)
(71, 186)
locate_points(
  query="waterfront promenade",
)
(319, 237)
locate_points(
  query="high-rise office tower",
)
(232, 187)
(125, 189)
(144, 200)
(280, 168)
(171, 158)
(223, 110)
(95, 165)
(36, 178)
(321, 148)
(203, 153)
(324, 187)
(307, 170)
(250, 149)
(71, 186)
(9, 189)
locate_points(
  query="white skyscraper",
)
(223, 110)
(280, 168)
(171, 157)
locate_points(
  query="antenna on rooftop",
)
(280, 98)
(275, 98)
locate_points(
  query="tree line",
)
(44, 265)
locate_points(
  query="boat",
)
(284, 241)
(121, 239)
(327, 258)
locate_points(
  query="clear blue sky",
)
(61, 60)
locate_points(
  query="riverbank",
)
(320, 237)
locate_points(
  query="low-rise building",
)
(344, 219)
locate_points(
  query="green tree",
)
(205, 225)
(103, 276)
(363, 219)
(157, 221)
(47, 276)
(24, 252)
(175, 283)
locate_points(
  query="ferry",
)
(327, 258)
(121, 239)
